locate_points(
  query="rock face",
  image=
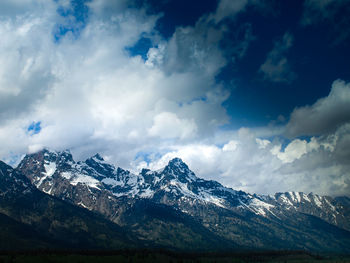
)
(286, 220)
(31, 219)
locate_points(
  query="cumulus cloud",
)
(85, 92)
(88, 93)
(325, 115)
(168, 125)
(26, 72)
(276, 67)
(12, 8)
(262, 166)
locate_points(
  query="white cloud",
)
(295, 150)
(230, 146)
(91, 96)
(168, 125)
(276, 67)
(262, 143)
(260, 166)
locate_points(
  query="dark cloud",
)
(195, 48)
(325, 165)
(228, 8)
(324, 116)
(276, 67)
(333, 12)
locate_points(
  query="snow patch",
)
(260, 207)
(50, 169)
(147, 193)
(87, 180)
(207, 197)
(112, 182)
(82, 204)
(66, 175)
(305, 197)
(297, 196)
(317, 201)
(285, 200)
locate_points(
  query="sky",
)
(253, 94)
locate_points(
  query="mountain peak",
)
(176, 167)
(4, 167)
(176, 162)
(97, 156)
(49, 153)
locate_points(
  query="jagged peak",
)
(176, 161)
(5, 167)
(61, 158)
(48, 151)
(98, 157)
(179, 168)
(145, 171)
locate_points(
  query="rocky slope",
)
(32, 219)
(284, 221)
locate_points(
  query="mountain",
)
(172, 207)
(31, 219)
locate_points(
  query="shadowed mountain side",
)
(59, 223)
(169, 228)
(172, 208)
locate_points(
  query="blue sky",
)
(254, 100)
(254, 94)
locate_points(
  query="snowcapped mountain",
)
(56, 173)
(332, 210)
(96, 185)
(285, 220)
(31, 219)
(13, 183)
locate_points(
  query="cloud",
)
(13, 8)
(86, 93)
(195, 48)
(334, 13)
(295, 150)
(258, 165)
(90, 95)
(276, 67)
(325, 115)
(26, 74)
(203, 47)
(316, 11)
(227, 8)
(168, 125)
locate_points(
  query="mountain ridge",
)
(231, 217)
(175, 180)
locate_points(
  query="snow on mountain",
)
(85, 183)
(50, 171)
(173, 200)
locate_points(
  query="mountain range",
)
(92, 204)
